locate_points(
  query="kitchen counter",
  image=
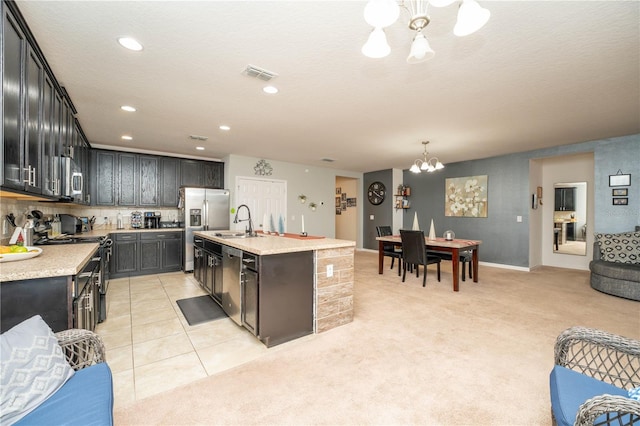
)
(331, 275)
(55, 261)
(271, 244)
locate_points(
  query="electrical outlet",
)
(329, 270)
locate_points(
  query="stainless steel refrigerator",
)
(204, 209)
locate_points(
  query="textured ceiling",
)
(539, 74)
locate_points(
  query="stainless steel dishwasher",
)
(231, 290)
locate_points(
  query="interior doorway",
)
(266, 199)
(346, 213)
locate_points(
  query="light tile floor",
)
(150, 346)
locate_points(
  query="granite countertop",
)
(103, 232)
(271, 244)
(55, 261)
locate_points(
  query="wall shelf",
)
(402, 198)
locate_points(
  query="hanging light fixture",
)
(383, 13)
(430, 165)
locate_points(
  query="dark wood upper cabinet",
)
(169, 181)
(127, 179)
(191, 173)
(148, 181)
(13, 62)
(103, 179)
(213, 174)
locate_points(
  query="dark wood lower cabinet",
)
(48, 297)
(146, 252)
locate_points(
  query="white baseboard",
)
(493, 265)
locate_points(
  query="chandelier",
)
(430, 165)
(382, 13)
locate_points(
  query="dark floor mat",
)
(200, 309)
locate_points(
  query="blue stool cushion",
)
(570, 389)
(85, 399)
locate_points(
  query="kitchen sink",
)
(233, 235)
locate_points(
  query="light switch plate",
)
(329, 270)
(518, 219)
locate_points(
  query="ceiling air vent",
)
(328, 160)
(260, 73)
(198, 138)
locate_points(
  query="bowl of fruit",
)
(18, 252)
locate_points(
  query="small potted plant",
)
(313, 206)
(302, 198)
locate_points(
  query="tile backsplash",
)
(104, 216)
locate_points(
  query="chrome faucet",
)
(248, 230)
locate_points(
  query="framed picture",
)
(338, 210)
(344, 196)
(343, 205)
(620, 201)
(620, 192)
(351, 202)
(338, 199)
(620, 180)
(466, 196)
(338, 191)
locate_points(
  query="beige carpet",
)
(413, 355)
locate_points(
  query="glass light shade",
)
(441, 3)
(381, 13)
(439, 166)
(471, 17)
(424, 166)
(420, 50)
(415, 168)
(376, 45)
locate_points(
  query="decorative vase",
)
(432, 231)
(416, 225)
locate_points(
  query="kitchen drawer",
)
(130, 236)
(161, 235)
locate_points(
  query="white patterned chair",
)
(70, 366)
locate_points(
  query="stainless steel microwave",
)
(73, 179)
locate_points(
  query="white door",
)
(267, 200)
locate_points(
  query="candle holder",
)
(303, 234)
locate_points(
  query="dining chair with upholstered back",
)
(390, 249)
(414, 252)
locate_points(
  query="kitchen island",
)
(317, 273)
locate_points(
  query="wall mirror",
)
(570, 218)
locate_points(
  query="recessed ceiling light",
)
(200, 148)
(223, 127)
(130, 43)
(270, 90)
(128, 108)
(127, 138)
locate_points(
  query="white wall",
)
(570, 168)
(317, 183)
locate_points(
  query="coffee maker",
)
(152, 220)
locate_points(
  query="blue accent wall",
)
(504, 240)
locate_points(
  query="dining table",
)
(454, 247)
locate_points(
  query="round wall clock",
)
(376, 193)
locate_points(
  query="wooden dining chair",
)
(414, 252)
(390, 249)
